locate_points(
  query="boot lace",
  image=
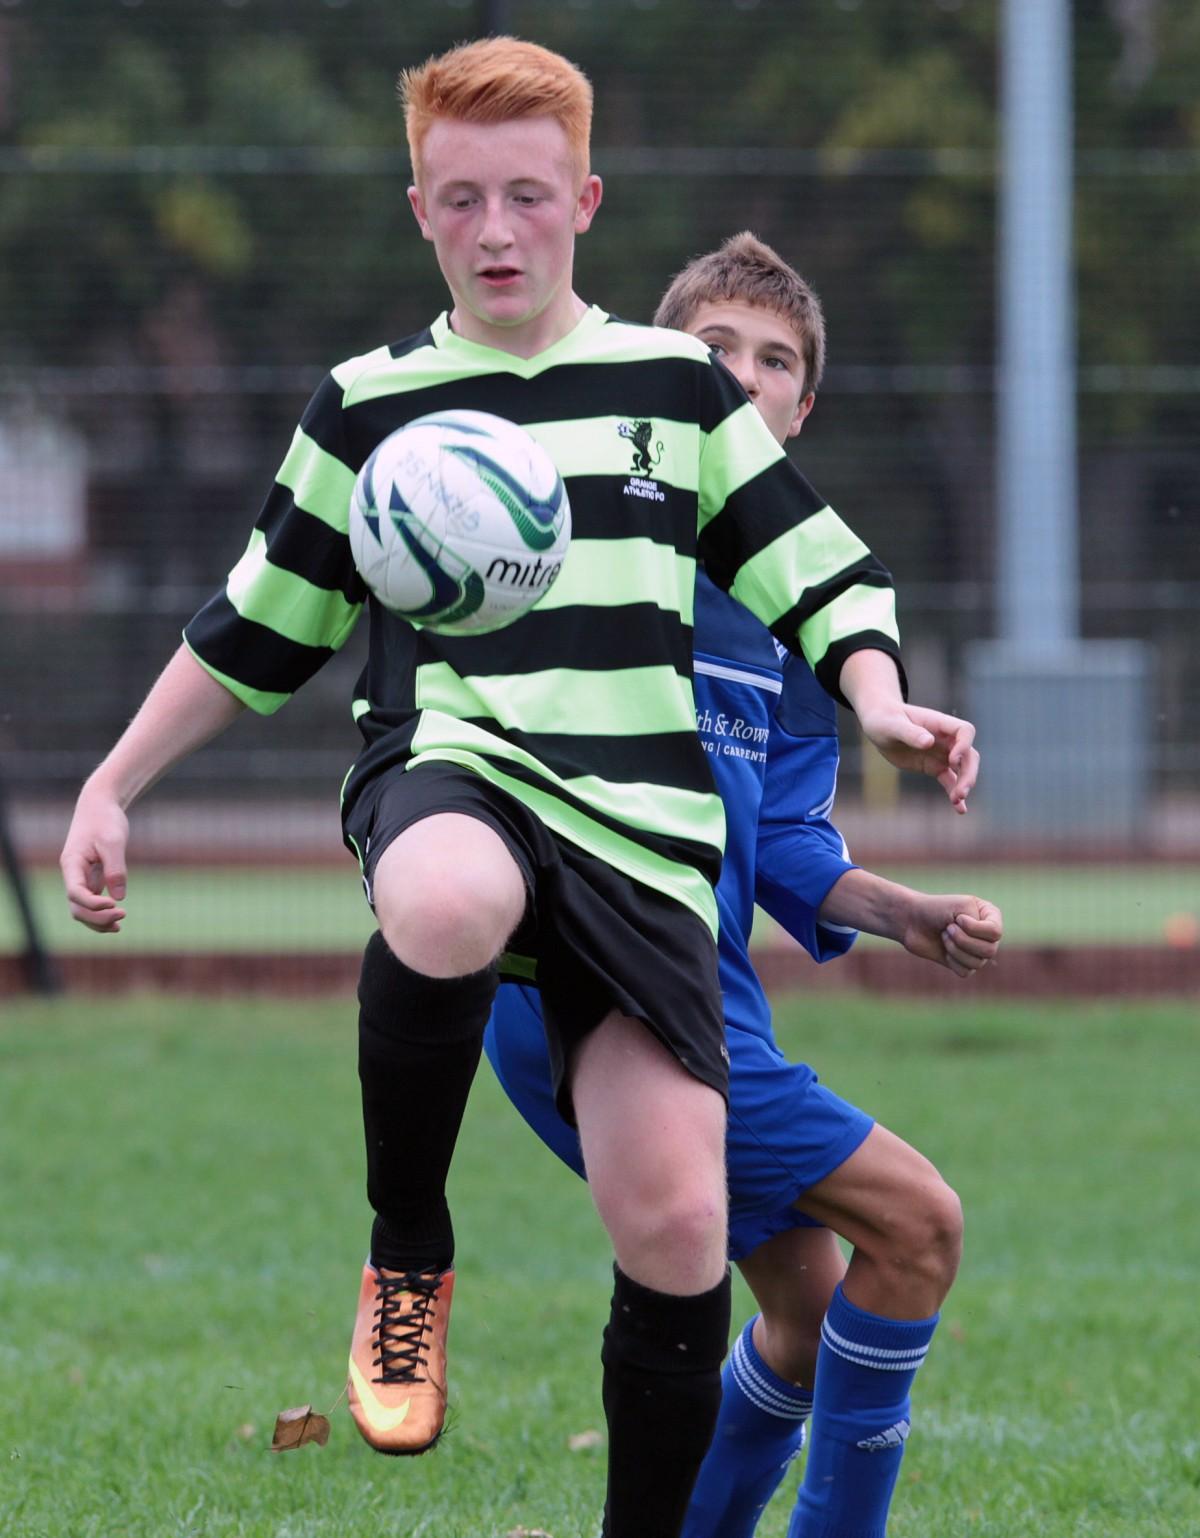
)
(401, 1324)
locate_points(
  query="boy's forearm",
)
(861, 900)
(184, 709)
(870, 680)
(909, 736)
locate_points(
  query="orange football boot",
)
(397, 1389)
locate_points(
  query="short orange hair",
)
(493, 81)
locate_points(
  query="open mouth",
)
(499, 276)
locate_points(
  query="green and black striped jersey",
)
(583, 707)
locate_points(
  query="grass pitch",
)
(184, 1224)
(256, 908)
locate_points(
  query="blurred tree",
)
(203, 206)
(224, 183)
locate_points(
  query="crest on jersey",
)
(640, 433)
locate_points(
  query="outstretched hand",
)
(955, 931)
(932, 743)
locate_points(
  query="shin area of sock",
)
(662, 1389)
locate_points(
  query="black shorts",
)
(592, 938)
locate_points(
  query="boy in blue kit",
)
(839, 1345)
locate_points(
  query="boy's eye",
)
(776, 363)
(716, 347)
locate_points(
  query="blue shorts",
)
(785, 1133)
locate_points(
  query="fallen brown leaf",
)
(584, 1441)
(299, 1425)
(528, 1532)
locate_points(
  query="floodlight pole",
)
(1038, 499)
(1065, 724)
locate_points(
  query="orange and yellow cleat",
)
(397, 1389)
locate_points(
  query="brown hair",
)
(493, 81)
(744, 270)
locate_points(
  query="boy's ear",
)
(590, 195)
(417, 203)
(805, 405)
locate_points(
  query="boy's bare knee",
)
(448, 896)
(946, 1231)
(675, 1243)
(667, 1221)
(928, 1236)
(690, 1221)
(443, 931)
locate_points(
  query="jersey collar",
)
(564, 350)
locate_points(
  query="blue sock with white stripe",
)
(865, 1369)
(759, 1431)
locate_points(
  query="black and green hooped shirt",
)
(583, 708)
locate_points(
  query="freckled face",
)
(762, 352)
(502, 205)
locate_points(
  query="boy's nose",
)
(747, 378)
(495, 233)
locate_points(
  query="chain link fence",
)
(182, 261)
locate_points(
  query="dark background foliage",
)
(202, 207)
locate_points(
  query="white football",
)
(459, 522)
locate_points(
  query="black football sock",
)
(419, 1040)
(662, 1390)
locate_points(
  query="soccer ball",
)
(459, 522)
